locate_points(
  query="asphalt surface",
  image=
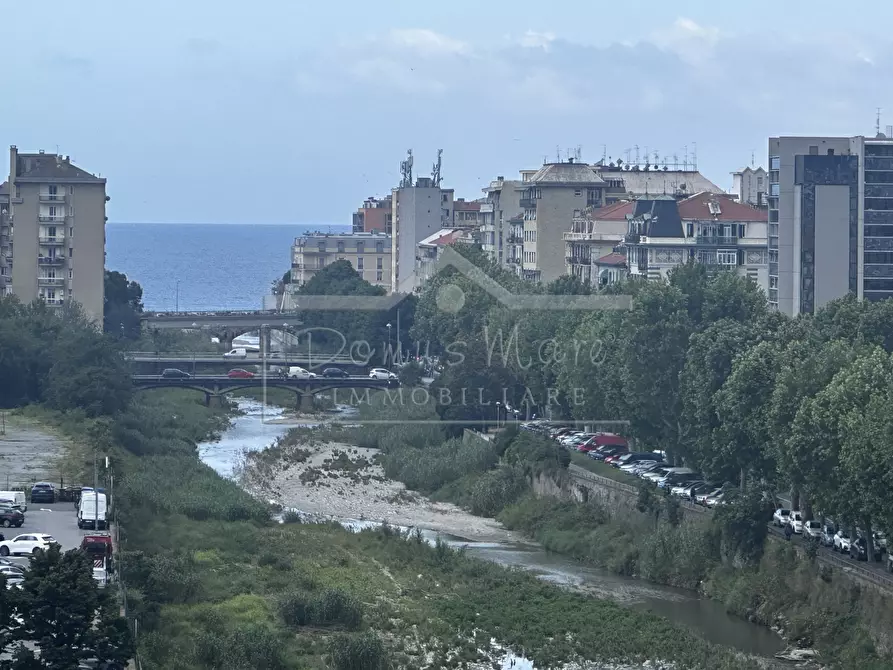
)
(58, 520)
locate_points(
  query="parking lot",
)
(58, 520)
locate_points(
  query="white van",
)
(15, 497)
(92, 511)
(238, 352)
(300, 373)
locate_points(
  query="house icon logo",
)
(451, 298)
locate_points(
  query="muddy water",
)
(258, 427)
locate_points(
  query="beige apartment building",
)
(368, 253)
(52, 232)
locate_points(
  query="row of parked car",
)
(650, 466)
(839, 538)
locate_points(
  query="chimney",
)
(13, 162)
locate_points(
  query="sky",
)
(280, 111)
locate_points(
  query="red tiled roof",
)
(612, 259)
(614, 212)
(696, 207)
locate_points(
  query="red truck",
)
(99, 549)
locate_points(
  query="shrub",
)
(291, 516)
(332, 607)
(358, 652)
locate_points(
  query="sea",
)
(204, 266)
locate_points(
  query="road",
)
(58, 520)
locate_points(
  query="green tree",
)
(67, 616)
(123, 306)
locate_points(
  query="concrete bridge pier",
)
(213, 399)
(305, 401)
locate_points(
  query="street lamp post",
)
(389, 337)
(498, 406)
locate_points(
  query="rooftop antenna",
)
(646, 156)
(578, 153)
(877, 122)
(694, 156)
(685, 159)
(604, 154)
(406, 170)
(636, 147)
(435, 174)
(753, 159)
(627, 152)
(676, 161)
(557, 154)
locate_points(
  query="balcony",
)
(512, 261)
(52, 197)
(716, 240)
(50, 281)
(528, 203)
(51, 261)
(632, 238)
(53, 240)
(514, 239)
(52, 219)
(57, 302)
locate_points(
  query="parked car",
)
(382, 374)
(605, 440)
(677, 476)
(701, 498)
(11, 517)
(238, 352)
(14, 499)
(26, 544)
(880, 540)
(297, 372)
(13, 571)
(781, 516)
(43, 492)
(335, 373)
(813, 530)
(239, 373)
(796, 522)
(829, 530)
(890, 562)
(174, 373)
(842, 541)
(690, 489)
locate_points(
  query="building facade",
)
(502, 207)
(830, 220)
(431, 248)
(52, 232)
(374, 216)
(751, 186)
(418, 211)
(551, 199)
(368, 253)
(629, 182)
(711, 229)
(593, 235)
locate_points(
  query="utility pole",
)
(95, 493)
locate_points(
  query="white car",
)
(796, 522)
(813, 529)
(381, 373)
(238, 352)
(842, 541)
(781, 517)
(26, 544)
(295, 372)
(12, 572)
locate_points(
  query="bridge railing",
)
(234, 312)
(272, 358)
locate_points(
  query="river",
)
(257, 427)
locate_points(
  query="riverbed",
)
(257, 427)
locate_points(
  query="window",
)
(70, 231)
(379, 263)
(379, 275)
(813, 150)
(578, 192)
(774, 163)
(70, 252)
(689, 230)
(359, 262)
(830, 152)
(52, 189)
(360, 246)
(379, 247)
(759, 183)
(71, 190)
(71, 274)
(322, 247)
(726, 257)
(774, 189)
(340, 246)
(51, 231)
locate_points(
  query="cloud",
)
(534, 40)
(428, 42)
(691, 41)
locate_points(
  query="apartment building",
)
(374, 216)
(551, 199)
(418, 211)
(709, 228)
(628, 182)
(368, 253)
(595, 233)
(830, 220)
(52, 232)
(502, 206)
(431, 248)
(751, 186)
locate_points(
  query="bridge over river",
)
(156, 361)
(215, 387)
